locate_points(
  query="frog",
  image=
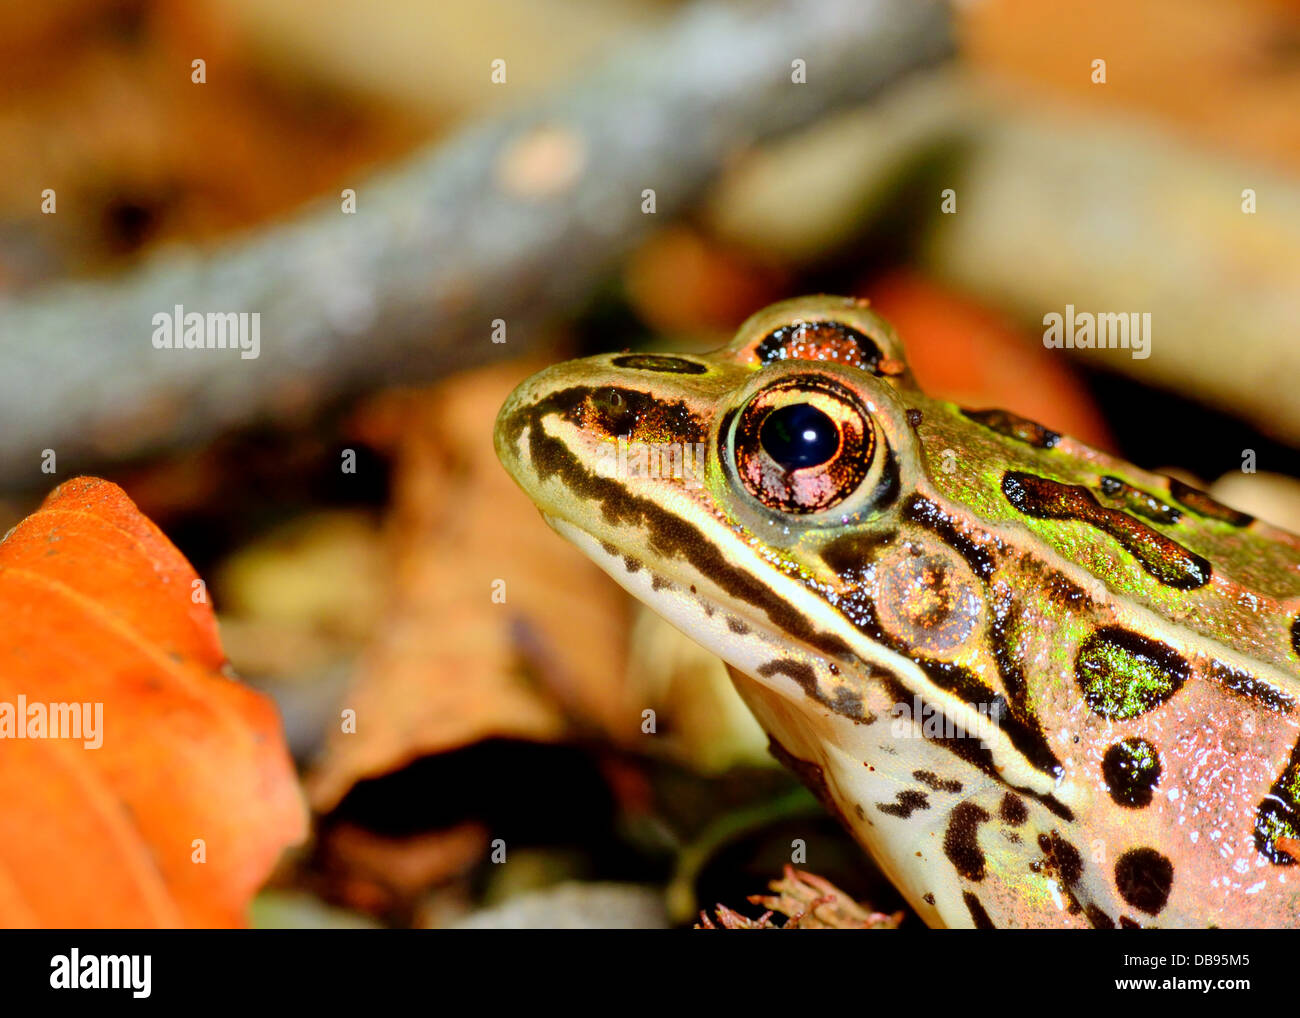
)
(1040, 686)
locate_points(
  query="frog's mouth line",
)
(741, 635)
(678, 599)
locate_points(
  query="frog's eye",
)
(801, 447)
(799, 436)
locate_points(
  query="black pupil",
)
(798, 436)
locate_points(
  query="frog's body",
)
(1041, 686)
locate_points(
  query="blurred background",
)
(398, 186)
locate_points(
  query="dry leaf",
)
(97, 608)
(811, 903)
(377, 874)
(451, 665)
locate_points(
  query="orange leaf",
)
(96, 609)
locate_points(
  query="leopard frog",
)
(1042, 687)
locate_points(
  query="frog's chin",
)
(826, 743)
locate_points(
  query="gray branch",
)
(407, 287)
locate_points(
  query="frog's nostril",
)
(614, 415)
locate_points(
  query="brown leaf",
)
(451, 666)
(378, 874)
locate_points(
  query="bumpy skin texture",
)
(1041, 686)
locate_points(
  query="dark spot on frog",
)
(906, 802)
(736, 626)
(660, 363)
(1203, 505)
(961, 840)
(1131, 770)
(1013, 809)
(658, 583)
(846, 702)
(692, 588)
(936, 783)
(1065, 592)
(1144, 878)
(1125, 923)
(630, 564)
(857, 808)
(1098, 918)
(833, 667)
(1138, 501)
(1165, 559)
(978, 916)
(609, 548)
(1278, 816)
(1295, 636)
(914, 418)
(1062, 857)
(1010, 425)
(928, 897)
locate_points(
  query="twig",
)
(515, 219)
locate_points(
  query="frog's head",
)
(747, 492)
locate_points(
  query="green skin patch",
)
(1123, 675)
